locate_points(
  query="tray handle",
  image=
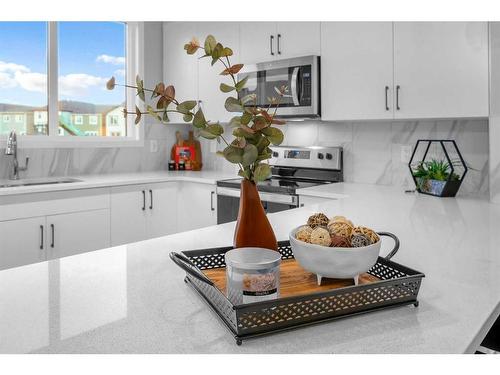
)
(185, 263)
(396, 244)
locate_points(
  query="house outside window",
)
(19, 118)
(78, 119)
(6, 118)
(93, 120)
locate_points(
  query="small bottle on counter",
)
(181, 165)
(171, 165)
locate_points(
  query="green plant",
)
(252, 126)
(434, 170)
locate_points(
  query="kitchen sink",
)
(35, 182)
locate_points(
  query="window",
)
(58, 88)
(89, 54)
(23, 74)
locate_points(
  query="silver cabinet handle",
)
(41, 237)
(212, 193)
(397, 97)
(386, 98)
(279, 48)
(271, 39)
(144, 200)
(151, 199)
(52, 229)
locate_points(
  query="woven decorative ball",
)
(339, 241)
(317, 220)
(367, 232)
(320, 236)
(359, 240)
(340, 228)
(304, 234)
(343, 219)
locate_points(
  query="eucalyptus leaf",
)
(226, 88)
(261, 172)
(165, 116)
(233, 154)
(186, 106)
(246, 118)
(248, 98)
(210, 44)
(199, 119)
(187, 117)
(274, 135)
(137, 115)
(215, 129)
(233, 105)
(241, 84)
(250, 154)
(206, 134)
(235, 121)
(245, 173)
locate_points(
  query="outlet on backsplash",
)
(406, 153)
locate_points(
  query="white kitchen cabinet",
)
(77, 232)
(139, 212)
(440, 69)
(257, 42)
(22, 242)
(197, 206)
(356, 70)
(294, 39)
(266, 41)
(179, 68)
(212, 99)
(161, 210)
(128, 214)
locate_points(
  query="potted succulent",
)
(438, 176)
(254, 129)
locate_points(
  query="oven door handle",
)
(294, 86)
(291, 200)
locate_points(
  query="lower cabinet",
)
(139, 212)
(77, 232)
(22, 242)
(197, 206)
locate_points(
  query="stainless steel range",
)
(292, 168)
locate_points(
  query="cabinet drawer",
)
(52, 203)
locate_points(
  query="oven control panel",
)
(307, 157)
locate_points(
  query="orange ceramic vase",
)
(253, 228)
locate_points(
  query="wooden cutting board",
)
(294, 280)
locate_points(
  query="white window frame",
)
(5, 118)
(19, 119)
(134, 66)
(78, 120)
(93, 120)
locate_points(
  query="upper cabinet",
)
(356, 70)
(179, 68)
(441, 69)
(404, 70)
(265, 41)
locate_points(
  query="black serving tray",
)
(398, 285)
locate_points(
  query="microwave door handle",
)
(294, 84)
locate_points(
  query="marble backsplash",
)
(372, 150)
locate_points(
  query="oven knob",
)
(320, 156)
(275, 154)
(329, 156)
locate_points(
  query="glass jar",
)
(252, 275)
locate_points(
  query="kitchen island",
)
(132, 298)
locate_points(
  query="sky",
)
(89, 54)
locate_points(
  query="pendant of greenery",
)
(252, 126)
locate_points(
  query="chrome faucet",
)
(11, 149)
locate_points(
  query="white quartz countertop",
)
(132, 298)
(108, 180)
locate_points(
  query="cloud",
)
(120, 72)
(73, 85)
(114, 60)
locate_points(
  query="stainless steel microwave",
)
(300, 74)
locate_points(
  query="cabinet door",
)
(77, 232)
(161, 209)
(441, 69)
(212, 99)
(257, 42)
(197, 206)
(356, 70)
(22, 242)
(128, 214)
(180, 69)
(295, 39)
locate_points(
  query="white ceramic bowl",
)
(334, 262)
